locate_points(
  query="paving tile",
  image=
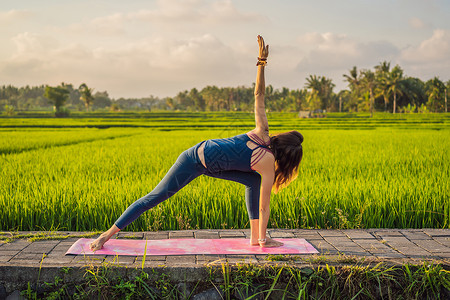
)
(331, 233)
(63, 247)
(437, 232)
(56, 254)
(247, 233)
(432, 246)
(307, 234)
(28, 255)
(120, 260)
(443, 255)
(304, 231)
(130, 235)
(356, 252)
(339, 240)
(397, 241)
(88, 259)
(157, 235)
(358, 234)
(441, 240)
(41, 246)
(149, 264)
(261, 257)
(231, 234)
(241, 259)
(151, 258)
(10, 252)
(206, 234)
(58, 260)
(281, 234)
(415, 235)
(414, 251)
(28, 262)
(205, 258)
(372, 245)
(389, 255)
(354, 249)
(389, 233)
(5, 258)
(180, 259)
(16, 245)
(323, 246)
(72, 240)
(181, 234)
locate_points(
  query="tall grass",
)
(384, 177)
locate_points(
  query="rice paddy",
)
(357, 172)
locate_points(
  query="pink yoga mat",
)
(189, 246)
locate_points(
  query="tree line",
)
(379, 89)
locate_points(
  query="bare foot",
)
(98, 243)
(254, 242)
(271, 243)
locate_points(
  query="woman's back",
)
(231, 154)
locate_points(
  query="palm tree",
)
(343, 96)
(394, 84)
(313, 82)
(435, 92)
(86, 95)
(381, 72)
(324, 88)
(447, 86)
(354, 84)
(352, 79)
(369, 82)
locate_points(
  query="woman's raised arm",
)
(262, 125)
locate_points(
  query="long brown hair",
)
(288, 152)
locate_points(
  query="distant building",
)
(317, 113)
(304, 114)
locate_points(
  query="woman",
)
(255, 159)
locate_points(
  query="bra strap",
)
(258, 139)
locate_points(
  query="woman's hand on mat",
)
(270, 243)
(98, 243)
(263, 49)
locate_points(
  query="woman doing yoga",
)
(261, 162)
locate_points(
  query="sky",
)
(140, 48)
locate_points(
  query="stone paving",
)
(405, 245)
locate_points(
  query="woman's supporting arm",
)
(264, 204)
(262, 125)
(267, 176)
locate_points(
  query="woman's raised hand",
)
(263, 49)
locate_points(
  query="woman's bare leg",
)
(254, 226)
(103, 238)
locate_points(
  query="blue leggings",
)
(187, 168)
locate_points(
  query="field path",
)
(23, 262)
(335, 246)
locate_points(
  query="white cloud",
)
(430, 58)
(7, 17)
(160, 67)
(197, 11)
(172, 14)
(434, 49)
(416, 23)
(330, 51)
(163, 65)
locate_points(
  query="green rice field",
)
(81, 173)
